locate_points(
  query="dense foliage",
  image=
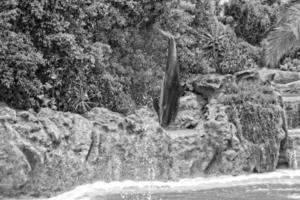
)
(252, 19)
(73, 55)
(77, 54)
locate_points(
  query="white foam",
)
(294, 196)
(86, 192)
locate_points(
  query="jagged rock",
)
(292, 108)
(287, 157)
(244, 150)
(104, 116)
(206, 85)
(294, 136)
(17, 156)
(191, 155)
(279, 76)
(72, 130)
(52, 151)
(247, 75)
(234, 146)
(31, 128)
(223, 136)
(80, 138)
(131, 145)
(190, 112)
(218, 148)
(288, 89)
(14, 167)
(7, 113)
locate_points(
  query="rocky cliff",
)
(220, 129)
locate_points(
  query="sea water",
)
(279, 185)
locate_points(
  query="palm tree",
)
(213, 42)
(286, 37)
(216, 41)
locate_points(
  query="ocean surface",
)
(279, 185)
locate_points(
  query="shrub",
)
(253, 20)
(225, 52)
(238, 57)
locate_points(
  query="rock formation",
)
(48, 152)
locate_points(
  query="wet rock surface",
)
(48, 152)
(287, 84)
(190, 112)
(292, 108)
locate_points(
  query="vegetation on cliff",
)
(75, 55)
(95, 57)
(284, 39)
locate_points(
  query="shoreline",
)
(285, 177)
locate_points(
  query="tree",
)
(285, 38)
(252, 19)
(75, 55)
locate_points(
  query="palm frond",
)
(280, 42)
(284, 38)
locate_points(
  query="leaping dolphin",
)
(170, 89)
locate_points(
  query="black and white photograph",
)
(149, 99)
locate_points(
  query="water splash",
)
(89, 191)
(148, 160)
(294, 196)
